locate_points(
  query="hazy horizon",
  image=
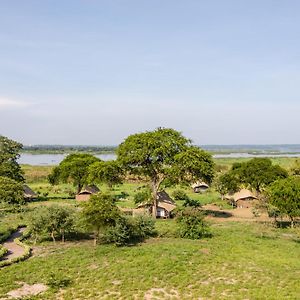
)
(93, 72)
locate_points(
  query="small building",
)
(165, 205)
(86, 192)
(242, 199)
(200, 187)
(29, 194)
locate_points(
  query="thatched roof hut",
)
(242, 198)
(29, 194)
(165, 204)
(86, 192)
(200, 187)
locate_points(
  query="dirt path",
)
(14, 250)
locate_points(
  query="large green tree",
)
(11, 191)
(256, 174)
(74, 168)
(99, 213)
(284, 194)
(164, 154)
(9, 154)
(108, 172)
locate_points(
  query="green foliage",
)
(130, 229)
(73, 168)
(99, 213)
(259, 173)
(11, 191)
(284, 194)
(142, 196)
(54, 220)
(228, 182)
(9, 154)
(108, 172)
(192, 224)
(256, 174)
(3, 251)
(191, 203)
(192, 164)
(180, 195)
(163, 155)
(296, 168)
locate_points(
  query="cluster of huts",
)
(165, 204)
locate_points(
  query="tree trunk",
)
(155, 187)
(292, 222)
(52, 235)
(63, 236)
(79, 188)
(96, 234)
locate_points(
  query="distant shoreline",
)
(257, 150)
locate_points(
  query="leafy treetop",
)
(73, 168)
(164, 154)
(9, 154)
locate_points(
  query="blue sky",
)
(93, 72)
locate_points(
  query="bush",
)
(129, 230)
(192, 224)
(142, 196)
(3, 251)
(180, 195)
(54, 221)
(191, 203)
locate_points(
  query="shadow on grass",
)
(217, 213)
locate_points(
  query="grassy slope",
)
(239, 262)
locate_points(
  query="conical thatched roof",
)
(243, 194)
(89, 189)
(163, 196)
(28, 192)
(163, 200)
(199, 184)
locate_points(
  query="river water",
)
(55, 159)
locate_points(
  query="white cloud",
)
(6, 103)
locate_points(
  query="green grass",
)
(241, 261)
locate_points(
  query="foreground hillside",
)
(240, 261)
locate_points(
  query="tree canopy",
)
(257, 174)
(164, 154)
(73, 168)
(11, 191)
(284, 194)
(55, 220)
(9, 154)
(99, 212)
(108, 172)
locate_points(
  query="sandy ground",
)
(14, 250)
(237, 214)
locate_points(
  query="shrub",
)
(142, 196)
(191, 203)
(54, 221)
(129, 230)
(192, 224)
(180, 195)
(3, 251)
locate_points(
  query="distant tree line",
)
(60, 149)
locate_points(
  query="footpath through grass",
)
(241, 261)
